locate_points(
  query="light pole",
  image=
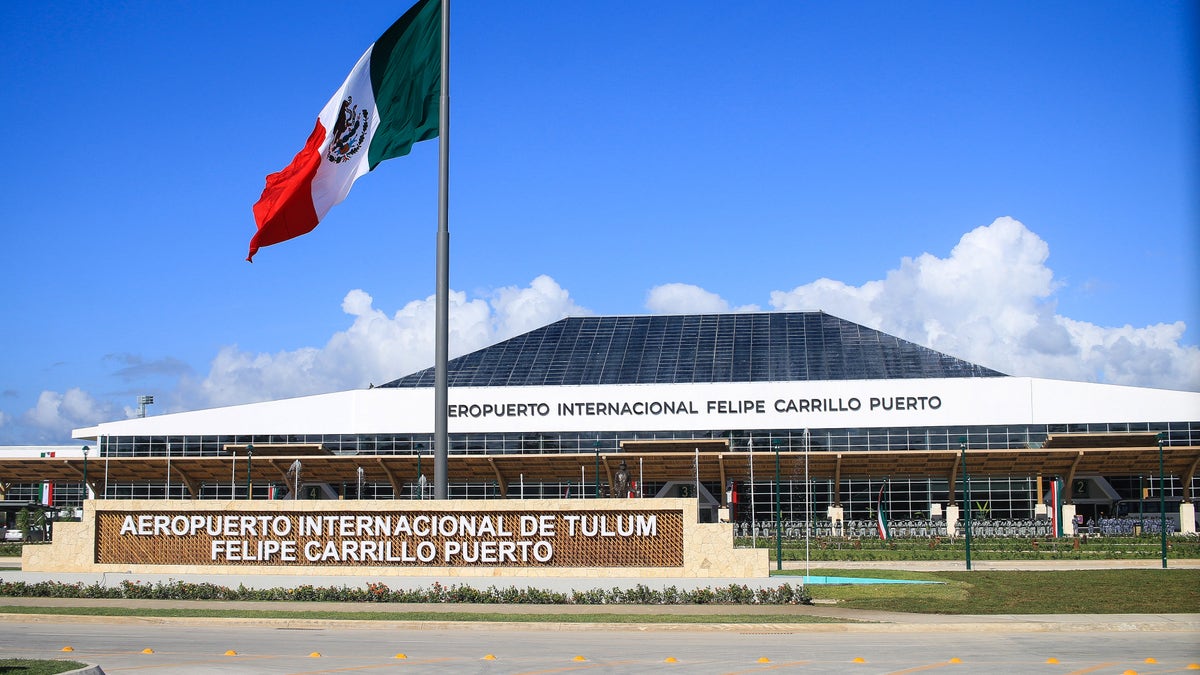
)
(778, 512)
(1141, 506)
(420, 476)
(1162, 501)
(249, 465)
(596, 448)
(962, 446)
(85, 482)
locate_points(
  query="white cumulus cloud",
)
(377, 347)
(680, 298)
(991, 301)
(57, 412)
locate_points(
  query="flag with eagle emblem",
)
(388, 103)
(881, 521)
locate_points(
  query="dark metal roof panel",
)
(697, 348)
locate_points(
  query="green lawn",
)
(1008, 592)
(960, 592)
(37, 667)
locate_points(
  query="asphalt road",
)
(200, 647)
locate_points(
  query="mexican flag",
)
(881, 517)
(1056, 526)
(389, 102)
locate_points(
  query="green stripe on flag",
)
(406, 76)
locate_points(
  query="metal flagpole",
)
(168, 469)
(441, 453)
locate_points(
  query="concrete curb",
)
(91, 669)
(964, 625)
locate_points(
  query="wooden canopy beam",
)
(1188, 476)
(192, 485)
(500, 480)
(1069, 486)
(90, 483)
(951, 480)
(397, 483)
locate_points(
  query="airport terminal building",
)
(713, 406)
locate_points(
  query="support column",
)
(1068, 520)
(837, 517)
(1187, 518)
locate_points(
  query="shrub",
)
(436, 593)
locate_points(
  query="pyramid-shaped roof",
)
(697, 348)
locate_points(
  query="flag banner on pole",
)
(46, 494)
(1056, 507)
(881, 516)
(388, 103)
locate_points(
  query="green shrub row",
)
(734, 594)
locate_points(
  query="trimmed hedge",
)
(734, 594)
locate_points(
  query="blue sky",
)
(1013, 183)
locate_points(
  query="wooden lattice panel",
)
(600, 538)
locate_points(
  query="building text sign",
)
(602, 538)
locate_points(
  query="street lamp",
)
(962, 446)
(85, 482)
(1162, 501)
(778, 512)
(249, 465)
(596, 447)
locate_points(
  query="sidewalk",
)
(769, 618)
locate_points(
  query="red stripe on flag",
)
(285, 209)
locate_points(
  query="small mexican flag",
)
(388, 103)
(881, 517)
(46, 494)
(1056, 526)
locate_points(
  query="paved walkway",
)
(839, 619)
